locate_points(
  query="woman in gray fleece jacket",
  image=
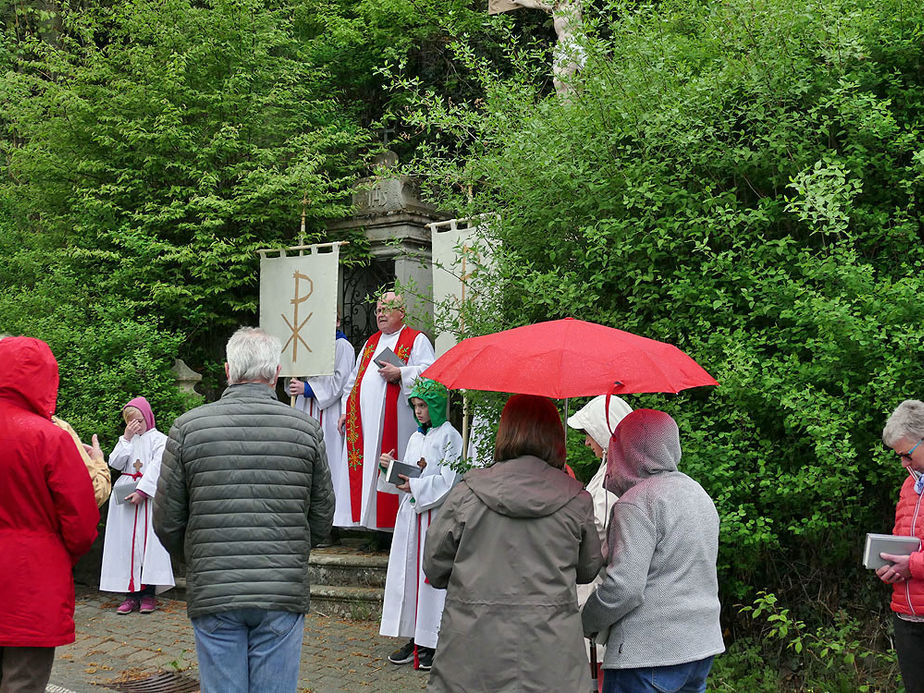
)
(659, 598)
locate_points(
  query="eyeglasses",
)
(907, 455)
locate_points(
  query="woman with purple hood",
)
(134, 560)
(657, 608)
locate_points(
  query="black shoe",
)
(379, 543)
(425, 658)
(383, 541)
(369, 547)
(405, 655)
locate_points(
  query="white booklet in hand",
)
(396, 467)
(887, 543)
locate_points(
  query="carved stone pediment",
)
(388, 194)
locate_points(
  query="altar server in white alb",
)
(320, 398)
(377, 418)
(134, 560)
(412, 607)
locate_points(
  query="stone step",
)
(345, 582)
(343, 566)
(336, 565)
(348, 583)
(354, 603)
(344, 601)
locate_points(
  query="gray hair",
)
(252, 355)
(395, 303)
(907, 421)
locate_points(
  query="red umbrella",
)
(567, 358)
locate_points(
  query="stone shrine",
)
(392, 216)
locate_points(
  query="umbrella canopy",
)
(567, 358)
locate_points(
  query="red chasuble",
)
(386, 504)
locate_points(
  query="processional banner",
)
(459, 253)
(298, 305)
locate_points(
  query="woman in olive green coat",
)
(509, 546)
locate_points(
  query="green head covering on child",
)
(435, 395)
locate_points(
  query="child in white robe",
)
(134, 560)
(412, 607)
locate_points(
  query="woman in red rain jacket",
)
(48, 517)
(904, 433)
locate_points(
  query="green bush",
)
(150, 147)
(155, 146)
(743, 180)
(106, 352)
(843, 656)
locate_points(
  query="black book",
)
(388, 356)
(396, 467)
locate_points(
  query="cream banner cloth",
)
(459, 253)
(498, 6)
(298, 305)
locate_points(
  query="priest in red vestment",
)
(377, 416)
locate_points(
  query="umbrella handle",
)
(609, 395)
(466, 426)
(593, 663)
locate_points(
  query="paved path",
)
(337, 655)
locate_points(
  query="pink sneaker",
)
(130, 604)
(148, 604)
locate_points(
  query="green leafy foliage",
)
(166, 142)
(743, 180)
(150, 148)
(843, 655)
(106, 354)
(365, 41)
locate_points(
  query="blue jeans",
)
(677, 678)
(249, 651)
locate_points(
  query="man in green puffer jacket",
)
(243, 494)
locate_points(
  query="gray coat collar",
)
(249, 390)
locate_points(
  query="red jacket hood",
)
(29, 374)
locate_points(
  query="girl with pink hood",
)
(134, 560)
